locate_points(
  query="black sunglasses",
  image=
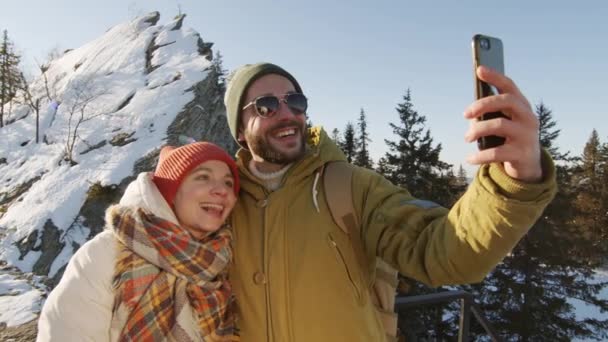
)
(267, 105)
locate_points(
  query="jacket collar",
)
(143, 193)
(320, 150)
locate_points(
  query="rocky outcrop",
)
(205, 117)
(99, 198)
(22, 333)
(122, 139)
(53, 236)
(6, 199)
(50, 246)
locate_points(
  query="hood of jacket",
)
(320, 149)
(143, 193)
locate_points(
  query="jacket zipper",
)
(269, 336)
(349, 272)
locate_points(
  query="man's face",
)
(279, 139)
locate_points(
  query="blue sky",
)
(349, 55)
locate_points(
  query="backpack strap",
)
(337, 184)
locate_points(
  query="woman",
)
(159, 270)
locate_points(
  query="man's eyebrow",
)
(264, 94)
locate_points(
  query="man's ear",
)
(240, 136)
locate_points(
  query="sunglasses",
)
(267, 106)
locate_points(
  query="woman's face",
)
(205, 198)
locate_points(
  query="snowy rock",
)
(129, 92)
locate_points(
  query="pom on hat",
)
(174, 164)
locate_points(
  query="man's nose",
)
(284, 112)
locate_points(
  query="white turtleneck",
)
(271, 180)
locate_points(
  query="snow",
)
(103, 74)
(583, 310)
(20, 302)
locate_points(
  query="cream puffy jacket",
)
(80, 306)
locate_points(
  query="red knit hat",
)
(175, 163)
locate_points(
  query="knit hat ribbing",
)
(238, 83)
(174, 164)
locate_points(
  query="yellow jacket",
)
(295, 274)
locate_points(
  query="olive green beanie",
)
(239, 81)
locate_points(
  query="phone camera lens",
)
(484, 43)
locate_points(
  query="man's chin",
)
(286, 154)
(289, 149)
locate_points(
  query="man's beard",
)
(260, 146)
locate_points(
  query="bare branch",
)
(82, 107)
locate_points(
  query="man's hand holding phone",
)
(520, 153)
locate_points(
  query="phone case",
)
(487, 51)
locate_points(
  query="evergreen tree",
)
(10, 75)
(413, 162)
(309, 122)
(603, 170)
(218, 71)
(592, 198)
(547, 132)
(526, 296)
(413, 158)
(335, 136)
(591, 159)
(348, 142)
(383, 168)
(362, 157)
(460, 183)
(462, 176)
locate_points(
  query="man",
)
(295, 273)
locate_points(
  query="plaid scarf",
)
(160, 268)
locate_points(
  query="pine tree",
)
(460, 183)
(413, 158)
(413, 162)
(602, 234)
(309, 122)
(525, 297)
(218, 71)
(383, 168)
(362, 157)
(592, 198)
(10, 75)
(591, 159)
(335, 136)
(462, 176)
(348, 142)
(547, 132)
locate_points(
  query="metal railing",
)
(467, 305)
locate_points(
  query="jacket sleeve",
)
(438, 246)
(80, 307)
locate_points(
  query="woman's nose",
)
(220, 188)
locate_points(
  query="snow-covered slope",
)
(114, 99)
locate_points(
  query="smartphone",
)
(487, 51)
